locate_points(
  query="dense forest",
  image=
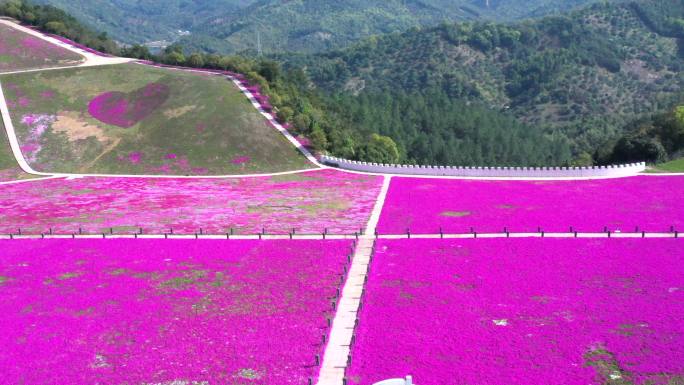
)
(583, 77)
(317, 25)
(600, 85)
(230, 26)
(139, 21)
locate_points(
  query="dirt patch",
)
(178, 112)
(75, 129)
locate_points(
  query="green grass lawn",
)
(20, 51)
(673, 166)
(202, 125)
(9, 169)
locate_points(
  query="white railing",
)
(397, 381)
(494, 172)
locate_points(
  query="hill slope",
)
(135, 119)
(316, 25)
(582, 76)
(21, 51)
(144, 20)
(299, 25)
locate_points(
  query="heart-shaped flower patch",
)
(126, 110)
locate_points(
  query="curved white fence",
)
(494, 172)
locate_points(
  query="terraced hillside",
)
(20, 51)
(136, 119)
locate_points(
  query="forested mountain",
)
(582, 77)
(317, 25)
(139, 21)
(599, 85)
(227, 26)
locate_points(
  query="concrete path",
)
(89, 59)
(337, 351)
(27, 180)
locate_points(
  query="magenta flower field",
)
(159, 311)
(126, 110)
(309, 202)
(424, 205)
(523, 311)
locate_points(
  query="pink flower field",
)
(19, 51)
(424, 205)
(523, 311)
(310, 202)
(165, 311)
(126, 110)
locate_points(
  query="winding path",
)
(96, 60)
(90, 59)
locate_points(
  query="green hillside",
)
(135, 119)
(298, 25)
(316, 25)
(9, 169)
(21, 51)
(582, 77)
(138, 21)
